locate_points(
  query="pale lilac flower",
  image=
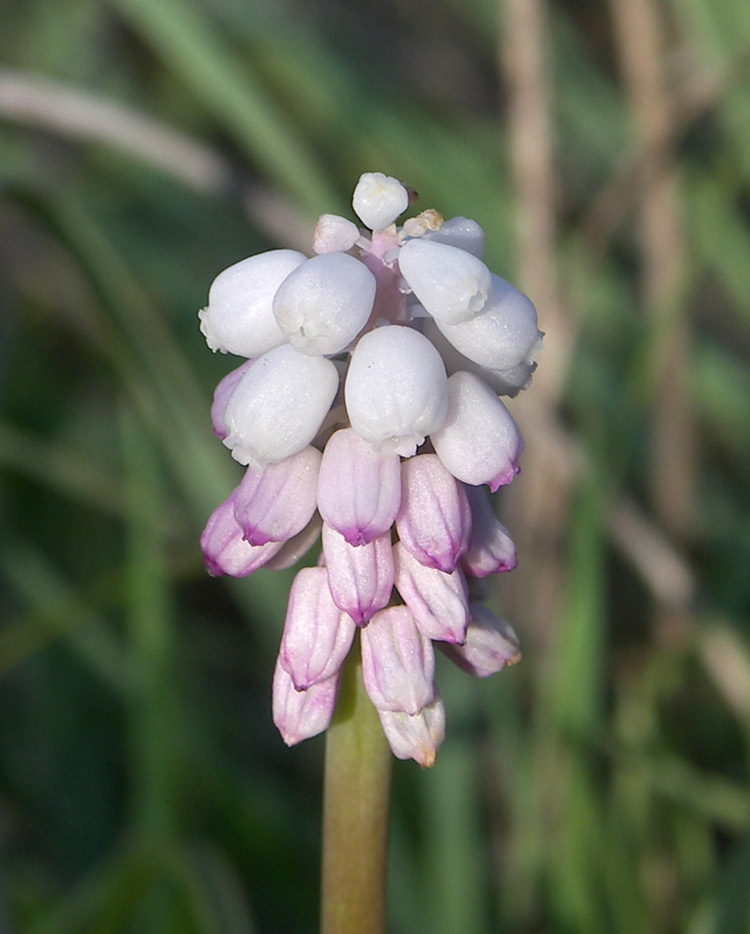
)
(369, 406)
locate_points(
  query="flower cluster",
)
(368, 408)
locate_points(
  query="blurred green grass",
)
(600, 786)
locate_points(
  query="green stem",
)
(356, 813)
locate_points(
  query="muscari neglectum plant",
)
(368, 411)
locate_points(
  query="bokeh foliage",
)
(147, 144)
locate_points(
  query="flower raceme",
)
(368, 407)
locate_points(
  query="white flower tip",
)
(379, 199)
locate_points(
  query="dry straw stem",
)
(538, 507)
(644, 55)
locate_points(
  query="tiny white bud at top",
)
(453, 285)
(334, 234)
(239, 318)
(379, 199)
(325, 303)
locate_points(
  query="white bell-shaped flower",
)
(379, 199)
(239, 317)
(479, 442)
(325, 303)
(278, 405)
(504, 335)
(461, 232)
(453, 285)
(396, 389)
(334, 234)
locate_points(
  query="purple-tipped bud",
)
(491, 548)
(359, 488)
(225, 549)
(434, 521)
(276, 502)
(300, 715)
(395, 389)
(325, 303)
(503, 336)
(239, 318)
(439, 602)
(360, 578)
(451, 284)
(490, 644)
(317, 634)
(278, 406)
(479, 441)
(222, 394)
(416, 737)
(296, 547)
(398, 662)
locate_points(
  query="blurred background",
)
(145, 145)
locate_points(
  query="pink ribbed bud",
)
(490, 644)
(434, 520)
(225, 549)
(300, 715)
(479, 441)
(278, 406)
(276, 502)
(395, 389)
(317, 634)
(416, 737)
(491, 548)
(359, 488)
(398, 662)
(360, 578)
(439, 602)
(239, 318)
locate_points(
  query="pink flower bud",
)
(417, 736)
(398, 662)
(317, 634)
(360, 578)
(300, 715)
(479, 441)
(491, 548)
(225, 549)
(438, 601)
(490, 644)
(359, 488)
(276, 502)
(434, 520)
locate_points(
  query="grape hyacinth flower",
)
(368, 407)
